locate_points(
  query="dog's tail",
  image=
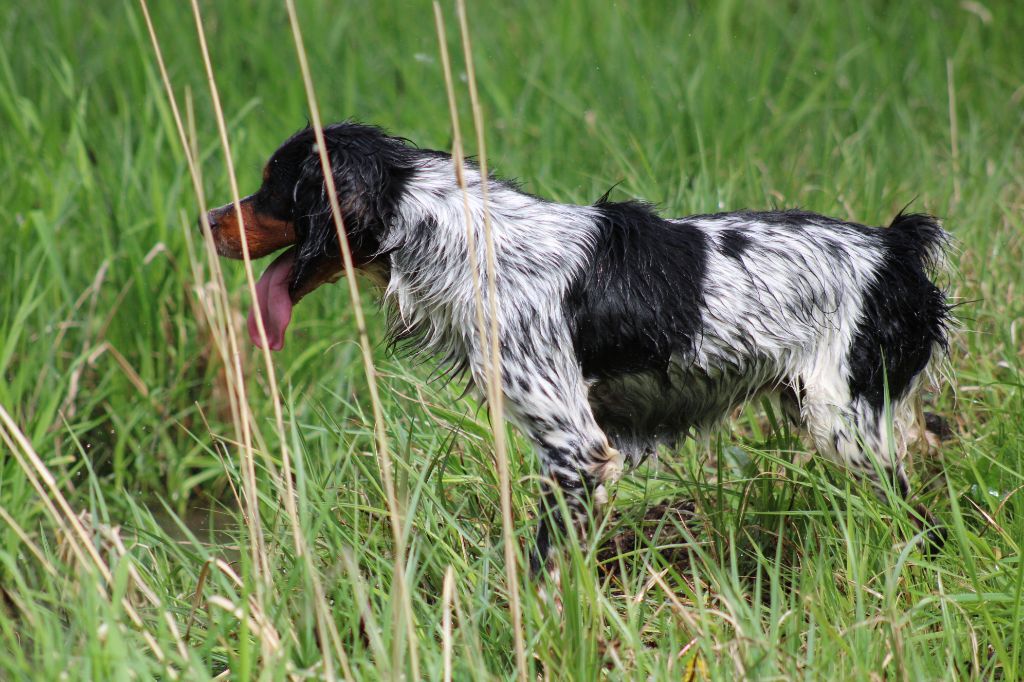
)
(922, 236)
(920, 243)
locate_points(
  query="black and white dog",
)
(619, 329)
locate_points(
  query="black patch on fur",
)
(639, 299)
(733, 243)
(905, 316)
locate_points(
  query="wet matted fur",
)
(620, 329)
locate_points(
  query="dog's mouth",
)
(274, 301)
(285, 281)
(283, 284)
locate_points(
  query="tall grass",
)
(177, 555)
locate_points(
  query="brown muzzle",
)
(263, 234)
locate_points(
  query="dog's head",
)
(292, 209)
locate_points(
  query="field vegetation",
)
(148, 524)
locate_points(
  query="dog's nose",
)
(210, 219)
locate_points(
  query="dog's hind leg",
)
(546, 396)
(856, 434)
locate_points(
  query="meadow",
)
(141, 537)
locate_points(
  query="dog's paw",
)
(610, 468)
(936, 534)
(549, 586)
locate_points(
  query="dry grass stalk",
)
(446, 620)
(217, 307)
(260, 557)
(380, 430)
(489, 335)
(78, 538)
(219, 311)
(496, 399)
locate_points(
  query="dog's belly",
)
(640, 410)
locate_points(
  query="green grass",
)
(781, 572)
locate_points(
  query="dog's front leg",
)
(546, 396)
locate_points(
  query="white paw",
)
(611, 469)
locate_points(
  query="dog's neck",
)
(539, 247)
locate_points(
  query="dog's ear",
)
(312, 209)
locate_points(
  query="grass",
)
(777, 569)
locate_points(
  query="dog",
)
(619, 329)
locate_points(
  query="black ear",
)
(313, 221)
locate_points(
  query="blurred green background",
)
(106, 364)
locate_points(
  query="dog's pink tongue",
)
(274, 302)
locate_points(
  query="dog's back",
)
(838, 317)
